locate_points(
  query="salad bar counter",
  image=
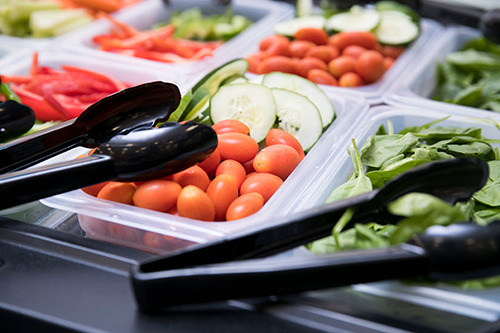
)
(248, 166)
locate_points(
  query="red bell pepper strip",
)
(43, 111)
(116, 83)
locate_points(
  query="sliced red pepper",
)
(43, 111)
(118, 85)
(66, 104)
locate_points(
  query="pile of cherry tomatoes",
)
(234, 182)
(346, 59)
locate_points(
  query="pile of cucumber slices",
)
(393, 23)
(275, 100)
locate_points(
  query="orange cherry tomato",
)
(222, 191)
(324, 52)
(279, 160)
(274, 45)
(277, 136)
(353, 51)
(94, 189)
(388, 61)
(299, 48)
(315, 35)
(154, 240)
(370, 66)
(123, 232)
(266, 184)
(192, 176)
(157, 194)
(211, 162)
(232, 168)
(306, 64)
(320, 76)
(277, 63)
(195, 204)
(237, 146)
(173, 211)
(230, 125)
(341, 65)
(248, 166)
(333, 40)
(392, 51)
(365, 39)
(118, 192)
(350, 79)
(254, 60)
(245, 205)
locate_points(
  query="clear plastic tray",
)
(349, 111)
(416, 88)
(262, 12)
(52, 43)
(20, 63)
(482, 304)
(373, 93)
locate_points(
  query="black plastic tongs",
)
(216, 270)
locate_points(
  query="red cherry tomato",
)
(320, 76)
(160, 195)
(299, 48)
(118, 192)
(230, 125)
(232, 168)
(192, 176)
(195, 204)
(211, 162)
(222, 191)
(304, 65)
(370, 66)
(263, 183)
(341, 65)
(315, 35)
(277, 136)
(237, 146)
(154, 240)
(279, 159)
(245, 205)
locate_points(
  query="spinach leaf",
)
(482, 44)
(380, 148)
(473, 60)
(469, 96)
(489, 195)
(477, 149)
(379, 177)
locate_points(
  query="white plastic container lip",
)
(9, 50)
(20, 63)
(51, 43)
(416, 88)
(263, 13)
(349, 111)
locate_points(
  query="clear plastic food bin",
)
(263, 13)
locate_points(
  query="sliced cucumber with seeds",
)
(304, 8)
(298, 116)
(290, 27)
(356, 19)
(252, 104)
(304, 87)
(396, 28)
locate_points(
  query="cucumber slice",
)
(304, 87)
(356, 19)
(252, 104)
(396, 6)
(48, 23)
(396, 28)
(303, 8)
(290, 27)
(298, 116)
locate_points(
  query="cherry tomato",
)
(334, 41)
(324, 52)
(237, 146)
(118, 192)
(157, 194)
(254, 60)
(123, 232)
(263, 183)
(299, 48)
(306, 64)
(279, 159)
(222, 191)
(195, 204)
(232, 168)
(154, 240)
(94, 189)
(173, 211)
(350, 79)
(353, 51)
(320, 76)
(230, 125)
(274, 45)
(211, 162)
(392, 51)
(365, 39)
(277, 136)
(388, 61)
(315, 35)
(341, 65)
(370, 66)
(245, 205)
(248, 166)
(276, 64)
(192, 176)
